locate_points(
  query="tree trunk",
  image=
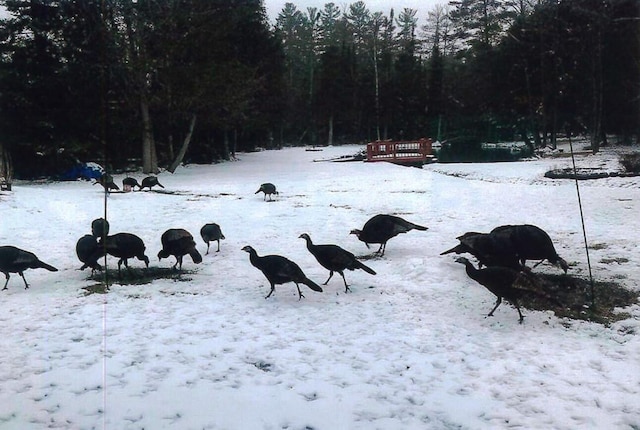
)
(184, 147)
(234, 147)
(330, 137)
(149, 157)
(172, 153)
(6, 166)
(225, 145)
(377, 86)
(596, 108)
(533, 116)
(154, 155)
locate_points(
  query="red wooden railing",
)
(401, 152)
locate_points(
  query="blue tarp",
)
(83, 171)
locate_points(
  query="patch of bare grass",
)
(574, 294)
(134, 276)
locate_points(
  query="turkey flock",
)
(128, 183)
(501, 254)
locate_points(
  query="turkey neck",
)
(470, 269)
(310, 244)
(253, 257)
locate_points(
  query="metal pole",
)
(584, 230)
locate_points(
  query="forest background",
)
(153, 83)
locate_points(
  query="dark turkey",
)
(130, 183)
(125, 246)
(211, 232)
(335, 259)
(527, 242)
(381, 228)
(280, 270)
(485, 249)
(107, 183)
(99, 228)
(504, 283)
(16, 260)
(89, 252)
(179, 242)
(268, 189)
(150, 182)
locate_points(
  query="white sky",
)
(422, 6)
(273, 7)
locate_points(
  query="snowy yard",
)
(409, 348)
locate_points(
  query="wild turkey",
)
(211, 232)
(179, 242)
(89, 252)
(268, 189)
(504, 283)
(131, 183)
(150, 181)
(107, 183)
(335, 259)
(485, 249)
(527, 242)
(99, 228)
(472, 243)
(16, 260)
(125, 246)
(280, 270)
(381, 228)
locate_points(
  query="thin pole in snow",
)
(584, 230)
(105, 275)
(104, 125)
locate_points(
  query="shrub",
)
(631, 162)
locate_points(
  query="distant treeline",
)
(151, 83)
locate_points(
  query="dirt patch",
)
(586, 173)
(189, 194)
(135, 276)
(619, 260)
(339, 206)
(373, 256)
(575, 296)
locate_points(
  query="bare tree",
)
(141, 70)
(437, 30)
(377, 22)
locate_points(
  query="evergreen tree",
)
(479, 23)
(334, 89)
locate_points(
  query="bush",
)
(461, 151)
(631, 162)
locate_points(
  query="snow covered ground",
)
(410, 348)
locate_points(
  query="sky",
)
(422, 6)
(409, 348)
(274, 7)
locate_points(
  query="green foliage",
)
(478, 139)
(74, 74)
(478, 23)
(572, 66)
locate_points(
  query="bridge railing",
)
(413, 151)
